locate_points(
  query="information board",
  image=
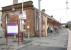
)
(12, 29)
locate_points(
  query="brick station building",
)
(12, 13)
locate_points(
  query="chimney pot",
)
(15, 1)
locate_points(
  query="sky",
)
(57, 8)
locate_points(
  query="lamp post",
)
(39, 17)
(22, 7)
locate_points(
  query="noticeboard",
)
(12, 29)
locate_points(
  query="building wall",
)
(36, 15)
(29, 21)
(44, 24)
(53, 24)
(8, 19)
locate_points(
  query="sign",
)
(23, 15)
(12, 29)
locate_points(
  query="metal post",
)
(21, 22)
(39, 18)
(22, 7)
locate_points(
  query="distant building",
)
(30, 21)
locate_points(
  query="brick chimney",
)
(43, 10)
(52, 16)
(15, 1)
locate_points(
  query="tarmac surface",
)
(55, 41)
(42, 48)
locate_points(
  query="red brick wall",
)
(30, 21)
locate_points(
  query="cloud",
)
(53, 7)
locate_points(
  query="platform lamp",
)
(39, 7)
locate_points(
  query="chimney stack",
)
(43, 10)
(15, 1)
(51, 16)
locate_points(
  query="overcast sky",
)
(57, 8)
